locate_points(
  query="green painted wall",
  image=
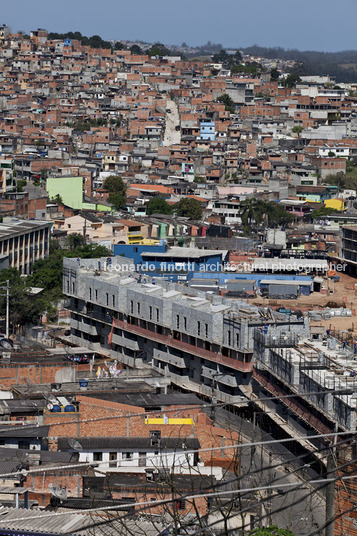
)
(103, 208)
(71, 191)
(69, 188)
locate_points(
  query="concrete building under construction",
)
(203, 342)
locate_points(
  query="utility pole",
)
(330, 490)
(84, 230)
(330, 495)
(7, 321)
(7, 308)
(269, 501)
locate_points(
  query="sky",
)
(324, 25)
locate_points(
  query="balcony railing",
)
(282, 340)
(184, 346)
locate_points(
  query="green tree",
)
(272, 530)
(91, 251)
(220, 57)
(97, 42)
(237, 57)
(251, 210)
(227, 101)
(322, 212)
(199, 180)
(48, 273)
(75, 240)
(158, 49)
(136, 50)
(274, 75)
(20, 184)
(119, 46)
(114, 184)
(117, 191)
(158, 205)
(297, 129)
(276, 214)
(291, 80)
(57, 199)
(351, 165)
(117, 199)
(24, 308)
(262, 212)
(337, 179)
(188, 207)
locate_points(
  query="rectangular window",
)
(138, 305)
(113, 459)
(198, 328)
(181, 504)
(96, 294)
(97, 456)
(206, 330)
(113, 300)
(237, 339)
(157, 314)
(90, 293)
(150, 312)
(107, 298)
(229, 338)
(128, 455)
(178, 321)
(131, 306)
(185, 322)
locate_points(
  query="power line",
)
(235, 512)
(224, 493)
(179, 410)
(199, 450)
(259, 470)
(189, 497)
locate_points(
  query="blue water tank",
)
(70, 408)
(56, 408)
(83, 383)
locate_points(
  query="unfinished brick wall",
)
(22, 373)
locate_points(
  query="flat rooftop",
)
(19, 227)
(192, 253)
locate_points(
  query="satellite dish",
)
(49, 406)
(22, 456)
(58, 492)
(74, 444)
(7, 343)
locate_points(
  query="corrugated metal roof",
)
(104, 443)
(283, 282)
(24, 431)
(57, 523)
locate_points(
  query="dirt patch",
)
(340, 294)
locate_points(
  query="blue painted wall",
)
(207, 131)
(132, 251)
